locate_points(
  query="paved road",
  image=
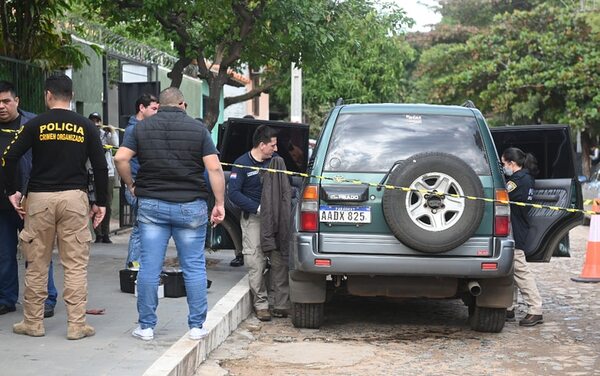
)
(112, 351)
(428, 337)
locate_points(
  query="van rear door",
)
(555, 185)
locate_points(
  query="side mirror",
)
(583, 179)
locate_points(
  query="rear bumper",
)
(305, 252)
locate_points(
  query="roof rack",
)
(469, 104)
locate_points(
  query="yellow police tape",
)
(101, 126)
(405, 189)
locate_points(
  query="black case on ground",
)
(174, 285)
(127, 278)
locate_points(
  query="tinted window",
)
(292, 142)
(551, 147)
(373, 142)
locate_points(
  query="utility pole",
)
(296, 95)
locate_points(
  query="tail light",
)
(501, 213)
(309, 209)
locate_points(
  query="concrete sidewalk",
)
(112, 351)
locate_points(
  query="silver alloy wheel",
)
(437, 211)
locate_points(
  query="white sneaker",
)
(143, 334)
(198, 333)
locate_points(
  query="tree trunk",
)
(215, 87)
(176, 74)
(586, 147)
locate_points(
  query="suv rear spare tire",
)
(433, 222)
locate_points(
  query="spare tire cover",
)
(433, 222)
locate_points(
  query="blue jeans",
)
(10, 224)
(186, 223)
(135, 243)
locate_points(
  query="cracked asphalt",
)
(428, 337)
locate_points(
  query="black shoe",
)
(4, 309)
(510, 315)
(106, 240)
(531, 320)
(48, 311)
(237, 261)
(98, 239)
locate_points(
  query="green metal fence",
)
(29, 81)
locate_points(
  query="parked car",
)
(432, 241)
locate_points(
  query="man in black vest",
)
(173, 150)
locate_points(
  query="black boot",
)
(237, 261)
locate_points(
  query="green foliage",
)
(535, 66)
(30, 32)
(479, 13)
(366, 62)
(229, 34)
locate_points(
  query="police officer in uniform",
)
(519, 169)
(57, 204)
(11, 119)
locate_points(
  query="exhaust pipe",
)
(474, 288)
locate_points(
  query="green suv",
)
(404, 201)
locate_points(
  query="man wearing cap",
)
(11, 119)
(108, 136)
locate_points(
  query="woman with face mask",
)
(519, 169)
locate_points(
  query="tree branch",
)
(176, 74)
(228, 101)
(203, 69)
(248, 20)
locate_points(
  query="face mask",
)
(507, 171)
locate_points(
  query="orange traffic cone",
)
(591, 266)
(596, 205)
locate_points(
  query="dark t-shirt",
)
(61, 142)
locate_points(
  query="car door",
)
(555, 185)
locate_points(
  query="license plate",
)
(345, 214)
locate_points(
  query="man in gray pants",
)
(245, 190)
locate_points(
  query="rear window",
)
(373, 142)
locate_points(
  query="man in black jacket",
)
(173, 150)
(57, 204)
(11, 120)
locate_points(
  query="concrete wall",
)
(87, 84)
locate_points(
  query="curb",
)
(186, 355)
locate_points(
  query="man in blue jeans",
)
(11, 119)
(146, 106)
(173, 150)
